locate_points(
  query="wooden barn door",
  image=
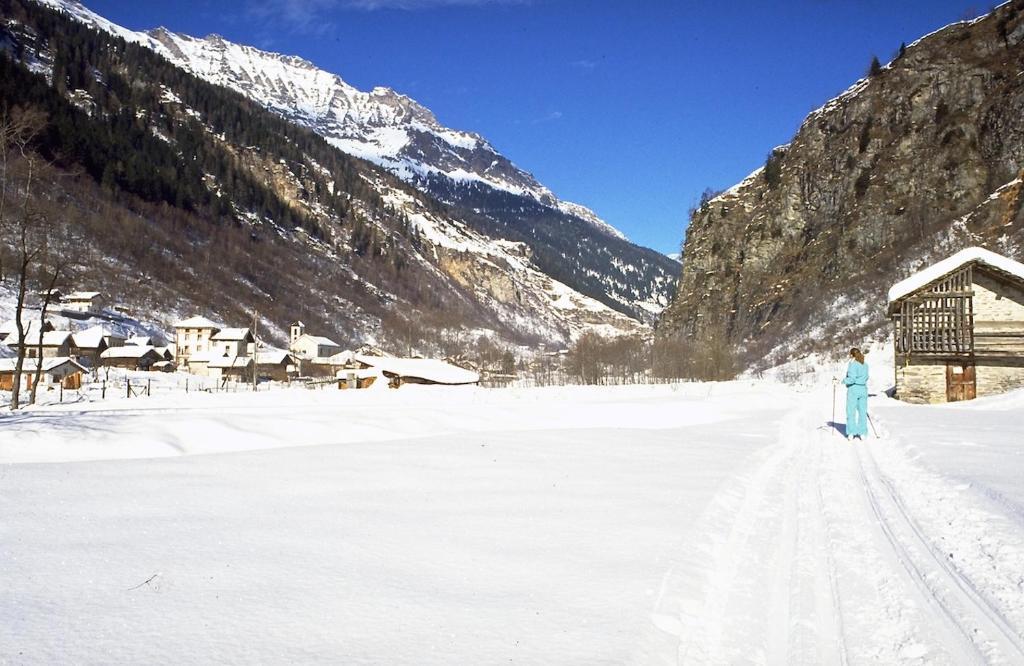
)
(960, 382)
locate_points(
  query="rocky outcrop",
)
(916, 160)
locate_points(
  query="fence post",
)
(149, 387)
(62, 390)
(128, 388)
(186, 385)
(103, 392)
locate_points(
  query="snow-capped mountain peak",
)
(382, 126)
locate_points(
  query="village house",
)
(233, 342)
(959, 328)
(237, 368)
(130, 357)
(83, 301)
(198, 363)
(308, 346)
(87, 345)
(62, 371)
(192, 336)
(55, 344)
(275, 365)
(55, 297)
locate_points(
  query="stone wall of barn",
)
(995, 377)
(920, 381)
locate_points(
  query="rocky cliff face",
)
(913, 162)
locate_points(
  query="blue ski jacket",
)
(856, 374)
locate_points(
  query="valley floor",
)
(694, 524)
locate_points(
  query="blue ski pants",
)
(857, 410)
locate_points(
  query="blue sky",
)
(630, 107)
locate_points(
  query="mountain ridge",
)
(915, 160)
(461, 169)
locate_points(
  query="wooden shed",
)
(959, 328)
(55, 370)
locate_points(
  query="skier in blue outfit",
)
(856, 382)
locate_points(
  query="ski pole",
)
(872, 422)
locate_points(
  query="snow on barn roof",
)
(129, 351)
(421, 368)
(31, 364)
(232, 334)
(948, 265)
(197, 321)
(139, 340)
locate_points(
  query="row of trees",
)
(31, 251)
(593, 359)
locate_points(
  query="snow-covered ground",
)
(702, 523)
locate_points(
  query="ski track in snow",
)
(811, 555)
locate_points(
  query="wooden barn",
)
(64, 371)
(959, 328)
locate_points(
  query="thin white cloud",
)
(584, 64)
(551, 117)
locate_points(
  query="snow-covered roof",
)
(80, 296)
(50, 338)
(90, 338)
(421, 368)
(342, 357)
(230, 362)
(197, 321)
(10, 327)
(129, 351)
(232, 334)
(139, 340)
(939, 270)
(318, 340)
(31, 364)
(272, 357)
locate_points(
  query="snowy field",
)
(703, 523)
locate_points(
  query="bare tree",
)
(57, 270)
(20, 219)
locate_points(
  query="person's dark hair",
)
(857, 354)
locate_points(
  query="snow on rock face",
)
(381, 126)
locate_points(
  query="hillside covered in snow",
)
(486, 191)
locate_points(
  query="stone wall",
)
(922, 381)
(995, 377)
